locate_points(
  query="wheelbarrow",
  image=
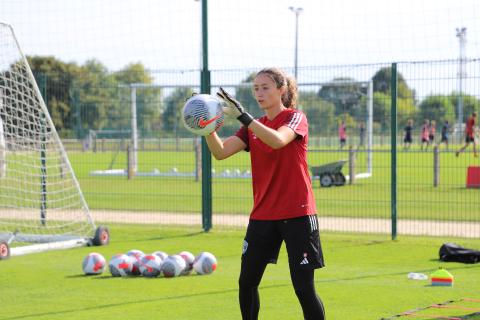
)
(330, 174)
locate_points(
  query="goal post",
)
(41, 204)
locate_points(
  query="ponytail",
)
(289, 98)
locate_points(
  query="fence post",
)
(393, 154)
(205, 87)
(351, 165)
(436, 166)
(198, 157)
(130, 168)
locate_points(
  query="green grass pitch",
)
(365, 278)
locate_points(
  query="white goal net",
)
(40, 198)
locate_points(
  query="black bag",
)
(451, 252)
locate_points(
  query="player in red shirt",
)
(284, 208)
(469, 135)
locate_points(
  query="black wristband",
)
(245, 118)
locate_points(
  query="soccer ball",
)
(189, 258)
(94, 263)
(136, 256)
(162, 255)
(202, 114)
(150, 265)
(205, 263)
(121, 265)
(173, 266)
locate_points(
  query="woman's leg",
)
(250, 277)
(312, 306)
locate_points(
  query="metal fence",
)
(392, 187)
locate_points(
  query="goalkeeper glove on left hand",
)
(234, 108)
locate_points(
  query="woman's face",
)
(266, 92)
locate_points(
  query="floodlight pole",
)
(462, 39)
(297, 12)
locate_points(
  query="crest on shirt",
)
(245, 247)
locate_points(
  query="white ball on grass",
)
(161, 254)
(150, 265)
(120, 265)
(94, 263)
(189, 258)
(205, 263)
(136, 256)
(172, 266)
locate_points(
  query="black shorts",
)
(343, 140)
(407, 139)
(424, 140)
(444, 138)
(264, 238)
(469, 139)
(431, 137)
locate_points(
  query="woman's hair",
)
(289, 98)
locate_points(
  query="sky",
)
(166, 34)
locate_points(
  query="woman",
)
(284, 207)
(424, 135)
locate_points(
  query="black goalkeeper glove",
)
(234, 108)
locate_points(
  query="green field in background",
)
(370, 197)
(365, 278)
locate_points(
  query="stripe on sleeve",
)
(295, 121)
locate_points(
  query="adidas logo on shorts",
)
(305, 260)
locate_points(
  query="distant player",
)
(469, 135)
(407, 139)
(361, 135)
(342, 134)
(445, 132)
(431, 132)
(424, 135)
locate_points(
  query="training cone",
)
(442, 278)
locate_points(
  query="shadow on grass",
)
(178, 236)
(186, 235)
(113, 305)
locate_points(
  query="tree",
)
(94, 92)
(148, 100)
(382, 83)
(470, 104)
(344, 93)
(171, 117)
(55, 79)
(382, 110)
(436, 107)
(320, 113)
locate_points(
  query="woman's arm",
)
(275, 139)
(224, 149)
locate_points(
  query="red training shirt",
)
(282, 187)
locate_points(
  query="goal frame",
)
(33, 243)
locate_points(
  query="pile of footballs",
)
(157, 264)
